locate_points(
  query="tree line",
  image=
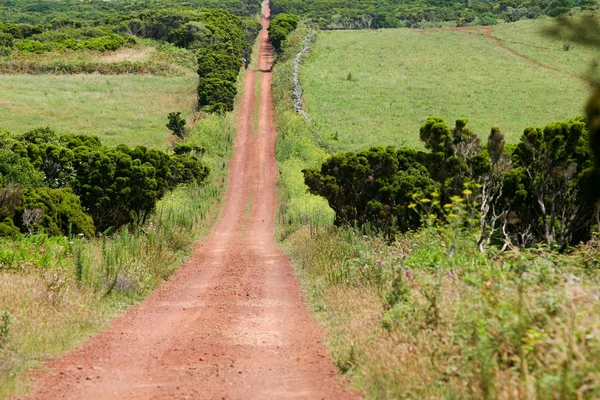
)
(72, 184)
(375, 14)
(535, 191)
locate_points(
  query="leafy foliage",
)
(375, 14)
(280, 27)
(545, 186)
(535, 194)
(374, 186)
(79, 180)
(176, 124)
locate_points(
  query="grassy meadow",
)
(119, 109)
(378, 87)
(528, 39)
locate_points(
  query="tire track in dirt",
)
(488, 34)
(231, 324)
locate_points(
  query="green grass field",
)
(401, 77)
(128, 109)
(528, 39)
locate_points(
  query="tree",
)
(450, 160)
(176, 124)
(545, 187)
(374, 187)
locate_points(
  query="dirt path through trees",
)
(231, 324)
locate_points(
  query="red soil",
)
(231, 324)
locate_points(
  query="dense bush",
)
(69, 38)
(184, 27)
(374, 186)
(280, 27)
(535, 194)
(218, 67)
(60, 212)
(74, 180)
(74, 13)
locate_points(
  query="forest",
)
(374, 14)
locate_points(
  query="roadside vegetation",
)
(55, 291)
(421, 296)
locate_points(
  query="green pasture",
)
(528, 38)
(378, 87)
(128, 109)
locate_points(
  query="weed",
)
(5, 322)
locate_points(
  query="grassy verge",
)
(366, 87)
(57, 292)
(298, 146)
(417, 320)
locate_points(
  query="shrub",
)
(62, 212)
(537, 195)
(116, 186)
(373, 187)
(280, 27)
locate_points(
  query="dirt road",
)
(231, 324)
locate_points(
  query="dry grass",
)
(126, 54)
(521, 325)
(50, 313)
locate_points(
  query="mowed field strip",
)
(400, 77)
(120, 109)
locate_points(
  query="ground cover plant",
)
(117, 109)
(367, 87)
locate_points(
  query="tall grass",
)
(417, 319)
(298, 146)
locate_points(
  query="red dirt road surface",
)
(231, 324)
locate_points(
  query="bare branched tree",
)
(31, 217)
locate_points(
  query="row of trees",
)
(280, 27)
(42, 12)
(534, 191)
(374, 14)
(74, 184)
(219, 62)
(187, 28)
